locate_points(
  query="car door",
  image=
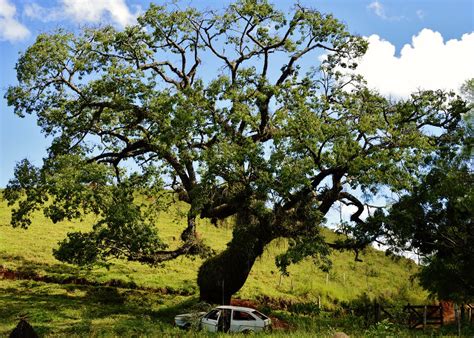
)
(225, 318)
(244, 321)
(209, 321)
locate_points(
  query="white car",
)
(227, 318)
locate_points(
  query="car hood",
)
(190, 315)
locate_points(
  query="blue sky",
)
(414, 44)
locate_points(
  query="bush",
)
(385, 328)
(310, 308)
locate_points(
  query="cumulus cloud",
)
(427, 63)
(92, 11)
(10, 28)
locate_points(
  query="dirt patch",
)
(277, 303)
(277, 323)
(245, 303)
(448, 311)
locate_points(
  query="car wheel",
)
(247, 331)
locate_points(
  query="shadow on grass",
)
(87, 310)
(66, 274)
(32, 267)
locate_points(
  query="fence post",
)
(441, 311)
(424, 317)
(223, 296)
(377, 312)
(458, 319)
(408, 318)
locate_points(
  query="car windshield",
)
(259, 315)
(214, 314)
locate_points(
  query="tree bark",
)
(223, 275)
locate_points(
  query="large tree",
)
(436, 218)
(233, 111)
(436, 221)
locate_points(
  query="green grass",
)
(68, 310)
(83, 311)
(57, 309)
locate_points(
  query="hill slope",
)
(30, 252)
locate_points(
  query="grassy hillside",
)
(377, 275)
(30, 252)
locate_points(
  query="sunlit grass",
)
(84, 310)
(377, 275)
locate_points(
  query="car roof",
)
(238, 308)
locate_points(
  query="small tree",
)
(255, 134)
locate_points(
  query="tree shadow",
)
(28, 266)
(58, 273)
(66, 310)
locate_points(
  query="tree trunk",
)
(223, 275)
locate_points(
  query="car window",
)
(214, 314)
(240, 315)
(259, 315)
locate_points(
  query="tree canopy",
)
(436, 219)
(236, 113)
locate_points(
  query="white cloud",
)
(35, 11)
(95, 10)
(348, 210)
(420, 14)
(378, 9)
(342, 213)
(10, 28)
(92, 11)
(427, 63)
